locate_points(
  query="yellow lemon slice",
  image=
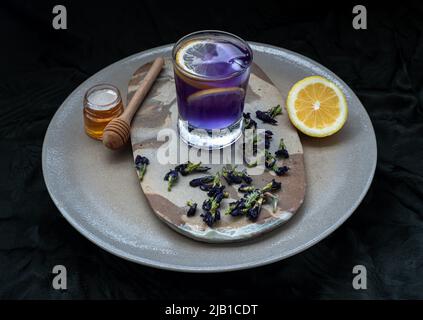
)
(190, 59)
(220, 96)
(194, 56)
(317, 107)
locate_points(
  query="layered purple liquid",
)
(211, 91)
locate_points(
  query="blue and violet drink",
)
(212, 69)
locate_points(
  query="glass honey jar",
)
(102, 103)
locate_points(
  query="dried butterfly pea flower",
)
(268, 134)
(247, 179)
(248, 122)
(272, 186)
(234, 176)
(141, 164)
(254, 212)
(192, 208)
(269, 160)
(270, 163)
(280, 171)
(171, 177)
(250, 205)
(215, 190)
(282, 152)
(210, 218)
(269, 115)
(201, 181)
(235, 209)
(265, 117)
(189, 167)
(211, 212)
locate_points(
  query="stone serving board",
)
(159, 112)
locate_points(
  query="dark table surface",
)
(40, 66)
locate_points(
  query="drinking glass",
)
(211, 71)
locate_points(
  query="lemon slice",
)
(317, 107)
(217, 95)
(190, 58)
(195, 55)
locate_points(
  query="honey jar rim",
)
(101, 86)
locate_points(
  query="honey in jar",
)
(102, 103)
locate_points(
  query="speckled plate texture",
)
(97, 191)
(159, 112)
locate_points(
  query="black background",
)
(40, 66)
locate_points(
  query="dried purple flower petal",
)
(271, 186)
(219, 197)
(248, 122)
(141, 160)
(189, 167)
(201, 181)
(265, 117)
(141, 164)
(269, 115)
(192, 208)
(281, 170)
(206, 205)
(282, 152)
(270, 160)
(232, 178)
(247, 179)
(217, 215)
(208, 218)
(253, 213)
(215, 190)
(268, 133)
(171, 177)
(235, 208)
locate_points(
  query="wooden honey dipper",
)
(116, 133)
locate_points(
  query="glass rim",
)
(101, 86)
(200, 32)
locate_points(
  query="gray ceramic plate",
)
(97, 190)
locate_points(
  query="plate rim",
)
(241, 266)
